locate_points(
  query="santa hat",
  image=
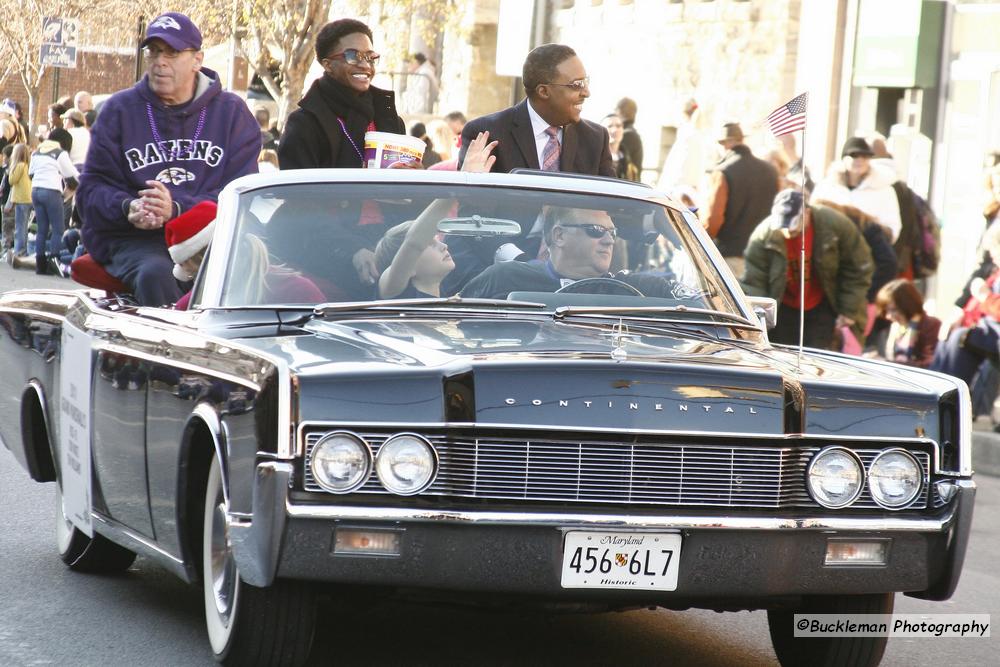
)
(190, 232)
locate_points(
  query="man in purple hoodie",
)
(157, 149)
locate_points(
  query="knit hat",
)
(175, 29)
(8, 109)
(856, 146)
(190, 232)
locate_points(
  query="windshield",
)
(337, 242)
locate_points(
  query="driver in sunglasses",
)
(581, 243)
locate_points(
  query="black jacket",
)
(631, 144)
(752, 185)
(585, 145)
(313, 137)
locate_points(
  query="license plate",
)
(646, 561)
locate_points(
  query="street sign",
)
(59, 41)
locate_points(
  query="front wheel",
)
(249, 625)
(94, 555)
(793, 651)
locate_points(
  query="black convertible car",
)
(624, 440)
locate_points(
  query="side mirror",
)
(766, 310)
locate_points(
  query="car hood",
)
(543, 373)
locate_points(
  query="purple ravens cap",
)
(176, 30)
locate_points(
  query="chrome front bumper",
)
(305, 531)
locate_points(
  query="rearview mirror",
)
(479, 226)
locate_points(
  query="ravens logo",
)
(174, 175)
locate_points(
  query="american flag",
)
(789, 117)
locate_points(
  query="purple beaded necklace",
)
(172, 155)
(346, 134)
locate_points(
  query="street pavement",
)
(51, 616)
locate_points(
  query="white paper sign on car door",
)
(74, 426)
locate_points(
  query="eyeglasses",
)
(578, 86)
(355, 57)
(593, 231)
(154, 52)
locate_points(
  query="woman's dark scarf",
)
(357, 112)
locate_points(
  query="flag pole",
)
(788, 118)
(802, 249)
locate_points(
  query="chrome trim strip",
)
(160, 359)
(965, 419)
(118, 533)
(33, 313)
(286, 426)
(674, 521)
(542, 427)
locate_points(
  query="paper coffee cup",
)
(385, 148)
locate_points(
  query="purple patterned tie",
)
(550, 154)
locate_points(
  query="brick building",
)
(98, 71)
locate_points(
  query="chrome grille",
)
(590, 471)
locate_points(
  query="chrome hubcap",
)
(223, 566)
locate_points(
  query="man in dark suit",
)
(556, 84)
(544, 131)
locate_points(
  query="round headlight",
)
(835, 477)
(894, 478)
(406, 464)
(341, 462)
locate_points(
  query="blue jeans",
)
(21, 214)
(49, 216)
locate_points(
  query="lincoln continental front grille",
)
(558, 470)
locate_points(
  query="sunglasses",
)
(578, 86)
(594, 231)
(355, 57)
